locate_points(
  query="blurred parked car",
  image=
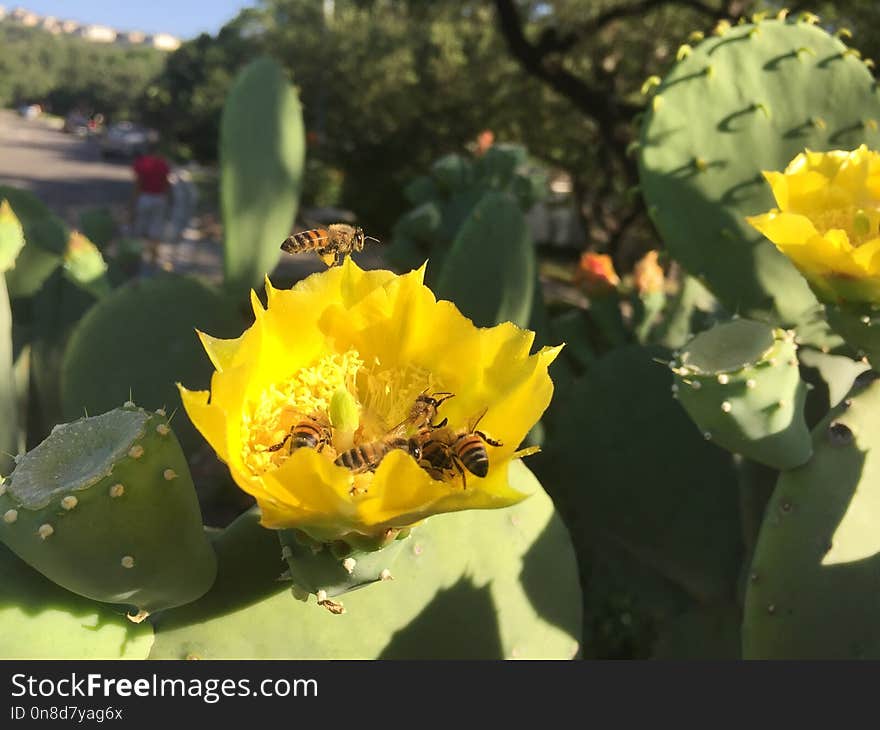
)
(76, 123)
(126, 139)
(30, 111)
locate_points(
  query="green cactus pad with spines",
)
(106, 508)
(139, 340)
(746, 101)
(494, 238)
(812, 590)
(41, 620)
(335, 569)
(741, 385)
(478, 584)
(262, 159)
(859, 326)
(634, 471)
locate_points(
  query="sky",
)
(183, 18)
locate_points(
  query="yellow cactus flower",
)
(827, 221)
(348, 352)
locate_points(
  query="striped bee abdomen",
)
(471, 451)
(306, 241)
(307, 434)
(368, 455)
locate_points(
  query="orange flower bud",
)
(596, 274)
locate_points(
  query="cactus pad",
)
(741, 102)
(494, 238)
(41, 620)
(740, 383)
(812, 590)
(487, 584)
(262, 157)
(106, 508)
(336, 568)
(139, 340)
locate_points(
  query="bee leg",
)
(461, 471)
(439, 425)
(491, 442)
(276, 447)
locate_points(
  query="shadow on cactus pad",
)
(41, 620)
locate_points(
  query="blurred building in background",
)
(91, 32)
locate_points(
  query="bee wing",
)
(472, 426)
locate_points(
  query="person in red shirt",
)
(151, 199)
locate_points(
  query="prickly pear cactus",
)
(445, 201)
(106, 507)
(740, 383)
(41, 620)
(139, 340)
(744, 101)
(494, 238)
(635, 472)
(331, 570)
(477, 584)
(812, 588)
(262, 156)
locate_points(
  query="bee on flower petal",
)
(332, 244)
(444, 452)
(311, 432)
(368, 455)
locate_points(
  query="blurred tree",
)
(67, 72)
(388, 86)
(186, 100)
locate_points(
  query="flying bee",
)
(367, 456)
(462, 450)
(332, 244)
(310, 432)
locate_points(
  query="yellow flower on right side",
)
(828, 221)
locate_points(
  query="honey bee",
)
(311, 433)
(332, 244)
(368, 456)
(424, 411)
(465, 450)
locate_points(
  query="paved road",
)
(69, 175)
(66, 172)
